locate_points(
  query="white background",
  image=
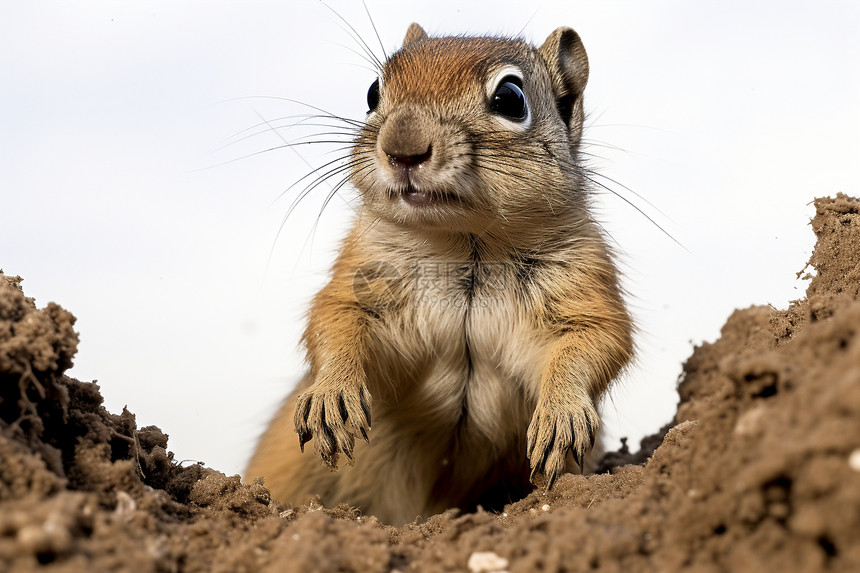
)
(727, 116)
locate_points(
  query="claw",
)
(537, 465)
(530, 444)
(329, 415)
(591, 433)
(550, 445)
(304, 437)
(578, 456)
(341, 406)
(365, 409)
(550, 481)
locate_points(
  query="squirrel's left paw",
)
(558, 427)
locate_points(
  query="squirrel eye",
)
(509, 99)
(373, 96)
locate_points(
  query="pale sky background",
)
(729, 117)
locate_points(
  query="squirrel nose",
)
(405, 161)
(404, 139)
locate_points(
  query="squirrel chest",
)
(460, 336)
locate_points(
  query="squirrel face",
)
(464, 134)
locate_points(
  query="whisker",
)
(529, 21)
(353, 122)
(314, 170)
(338, 187)
(641, 212)
(361, 54)
(369, 227)
(295, 151)
(626, 188)
(325, 175)
(267, 150)
(589, 175)
(302, 120)
(339, 130)
(319, 180)
(356, 36)
(595, 143)
(375, 30)
(335, 188)
(630, 125)
(301, 196)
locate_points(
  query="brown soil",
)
(760, 470)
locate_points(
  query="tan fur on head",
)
(473, 319)
(434, 91)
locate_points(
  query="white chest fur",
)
(469, 348)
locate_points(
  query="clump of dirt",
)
(760, 469)
(83, 489)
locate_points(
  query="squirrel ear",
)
(567, 64)
(566, 59)
(414, 33)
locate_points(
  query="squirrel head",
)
(473, 133)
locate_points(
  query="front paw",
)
(334, 413)
(558, 427)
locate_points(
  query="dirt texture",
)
(759, 471)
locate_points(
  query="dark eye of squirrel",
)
(373, 96)
(509, 99)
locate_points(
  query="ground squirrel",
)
(474, 308)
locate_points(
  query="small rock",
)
(125, 506)
(33, 540)
(750, 422)
(854, 460)
(486, 562)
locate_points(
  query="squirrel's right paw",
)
(335, 414)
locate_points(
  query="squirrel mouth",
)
(421, 198)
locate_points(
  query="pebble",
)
(486, 562)
(854, 460)
(750, 422)
(125, 506)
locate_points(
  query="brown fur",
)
(474, 303)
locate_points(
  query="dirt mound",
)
(760, 471)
